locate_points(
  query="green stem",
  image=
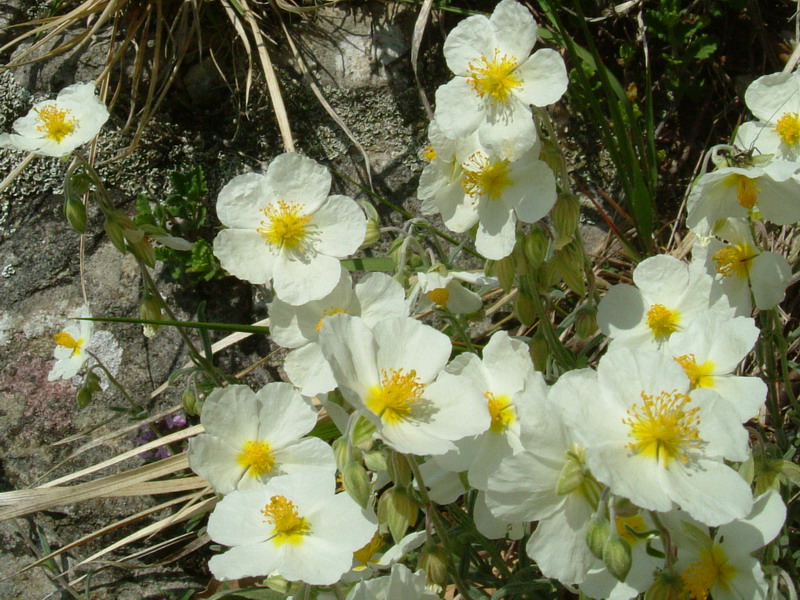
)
(564, 357)
(115, 382)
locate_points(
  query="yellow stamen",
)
(67, 341)
(662, 321)
(366, 554)
(290, 527)
(746, 190)
(396, 396)
(711, 570)
(501, 411)
(482, 177)
(439, 296)
(700, 376)
(663, 428)
(735, 260)
(494, 77)
(286, 226)
(788, 128)
(626, 524)
(429, 153)
(54, 122)
(256, 457)
(327, 313)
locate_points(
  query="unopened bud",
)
(566, 214)
(504, 270)
(376, 461)
(617, 557)
(373, 226)
(667, 585)
(586, 321)
(356, 483)
(570, 478)
(75, 212)
(525, 309)
(191, 403)
(539, 350)
(150, 309)
(534, 246)
(398, 510)
(433, 560)
(115, 234)
(399, 471)
(569, 262)
(362, 431)
(341, 450)
(597, 534)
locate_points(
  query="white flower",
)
(389, 374)
(668, 296)
(72, 345)
(57, 127)
(710, 349)
(295, 526)
(496, 79)
(445, 289)
(653, 440)
(513, 392)
(767, 192)
(724, 566)
(377, 296)
(742, 271)
(775, 101)
(401, 584)
(283, 227)
(252, 437)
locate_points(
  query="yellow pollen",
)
(501, 411)
(55, 123)
(290, 527)
(663, 428)
(735, 260)
(327, 313)
(788, 128)
(746, 190)
(662, 321)
(626, 524)
(366, 554)
(700, 376)
(711, 570)
(482, 177)
(439, 296)
(429, 153)
(396, 396)
(286, 226)
(67, 341)
(256, 457)
(494, 77)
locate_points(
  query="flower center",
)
(662, 321)
(256, 457)
(55, 123)
(286, 226)
(746, 190)
(439, 296)
(712, 569)
(494, 78)
(788, 128)
(734, 260)
(67, 341)
(482, 177)
(290, 527)
(328, 312)
(663, 428)
(501, 411)
(700, 376)
(397, 394)
(429, 153)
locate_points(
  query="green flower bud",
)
(534, 246)
(356, 483)
(539, 350)
(115, 234)
(150, 309)
(667, 585)
(525, 309)
(566, 214)
(504, 270)
(570, 478)
(569, 263)
(362, 431)
(398, 510)
(191, 402)
(341, 450)
(373, 226)
(586, 321)
(75, 212)
(399, 471)
(433, 560)
(376, 461)
(83, 397)
(597, 534)
(617, 557)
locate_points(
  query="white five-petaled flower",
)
(295, 526)
(72, 345)
(57, 127)
(283, 227)
(401, 584)
(391, 375)
(652, 439)
(377, 296)
(668, 296)
(774, 100)
(497, 79)
(444, 289)
(252, 437)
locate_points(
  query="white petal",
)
(294, 178)
(533, 193)
(516, 29)
(468, 41)
(771, 96)
(459, 109)
(240, 201)
(699, 490)
(759, 528)
(245, 254)
(307, 368)
(409, 344)
(298, 281)
(341, 226)
(244, 561)
(544, 78)
(769, 276)
(283, 414)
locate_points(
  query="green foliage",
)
(183, 214)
